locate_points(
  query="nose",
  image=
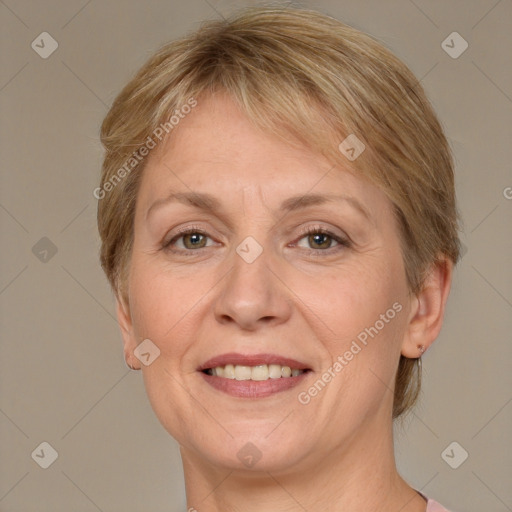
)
(253, 295)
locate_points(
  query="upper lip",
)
(235, 358)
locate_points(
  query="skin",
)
(299, 299)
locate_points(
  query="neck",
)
(359, 478)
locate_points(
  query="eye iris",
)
(195, 237)
(315, 239)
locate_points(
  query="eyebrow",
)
(211, 204)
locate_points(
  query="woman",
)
(278, 223)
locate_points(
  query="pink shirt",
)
(433, 506)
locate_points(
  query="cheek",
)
(159, 308)
(161, 298)
(343, 303)
(363, 325)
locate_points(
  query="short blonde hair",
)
(311, 80)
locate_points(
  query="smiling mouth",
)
(260, 372)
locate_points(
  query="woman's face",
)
(249, 287)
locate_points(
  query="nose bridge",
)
(252, 260)
(251, 291)
(253, 252)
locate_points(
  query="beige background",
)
(63, 379)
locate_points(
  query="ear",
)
(129, 339)
(427, 310)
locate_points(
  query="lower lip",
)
(253, 388)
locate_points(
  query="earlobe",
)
(427, 310)
(129, 339)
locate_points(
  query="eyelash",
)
(311, 230)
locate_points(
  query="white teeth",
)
(229, 371)
(242, 372)
(274, 371)
(259, 372)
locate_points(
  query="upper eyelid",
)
(184, 230)
(303, 230)
(317, 227)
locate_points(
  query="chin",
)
(251, 451)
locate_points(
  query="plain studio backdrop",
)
(63, 380)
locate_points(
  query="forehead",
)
(217, 149)
(217, 131)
